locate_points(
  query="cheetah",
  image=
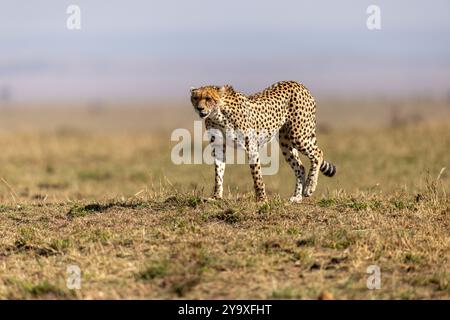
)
(286, 108)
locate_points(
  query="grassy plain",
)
(94, 187)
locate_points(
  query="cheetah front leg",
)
(258, 182)
(255, 169)
(219, 151)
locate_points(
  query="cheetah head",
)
(205, 100)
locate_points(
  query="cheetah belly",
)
(266, 137)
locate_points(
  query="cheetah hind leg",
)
(315, 155)
(291, 156)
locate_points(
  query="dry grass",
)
(111, 202)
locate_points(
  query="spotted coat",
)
(286, 108)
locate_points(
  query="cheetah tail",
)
(328, 168)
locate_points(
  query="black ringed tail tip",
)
(328, 169)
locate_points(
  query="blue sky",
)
(155, 50)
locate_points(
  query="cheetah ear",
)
(225, 88)
(193, 89)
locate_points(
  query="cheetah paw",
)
(211, 199)
(308, 191)
(296, 199)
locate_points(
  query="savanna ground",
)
(95, 187)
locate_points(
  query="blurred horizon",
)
(147, 50)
